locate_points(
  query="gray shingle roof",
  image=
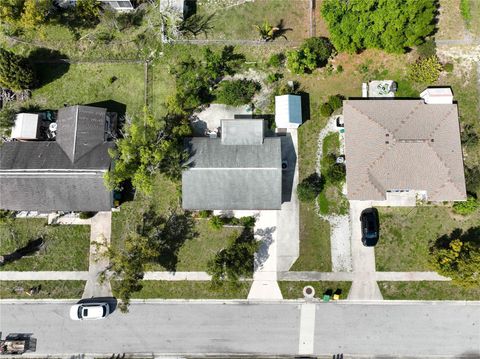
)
(232, 177)
(66, 174)
(403, 144)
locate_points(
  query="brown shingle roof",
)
(403, 144)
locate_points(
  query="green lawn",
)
(188, 290)
(427, 291)
(52, 289)
(194, 253)
(66, 247)
(294, 290)
(91, 83)
(406, 235)
(237, 22)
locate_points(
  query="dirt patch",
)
(450, 24)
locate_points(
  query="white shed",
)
(25, 127)
(288, 111)
(436, 95)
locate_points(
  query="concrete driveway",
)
(209, 119)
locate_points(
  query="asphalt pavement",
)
(451, 329)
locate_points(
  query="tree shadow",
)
(42, 56)
(265, 236)
(471, 235)
(281, 30)
(32, 247)
(111, 301)
(112, 106)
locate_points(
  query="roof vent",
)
(387, 142)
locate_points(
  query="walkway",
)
(100, 233)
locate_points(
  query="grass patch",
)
(466, 12)
(51, 289)
(91, 83)
(451, 24)
(188, 290)
(315, 254)
(237, 22)
(66, 247)
(427, 291)
(294, 290)
(407, 233)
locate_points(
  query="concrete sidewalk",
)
(43, 275)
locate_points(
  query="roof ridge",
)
(404, 121)
(371, 119)
(440, 123)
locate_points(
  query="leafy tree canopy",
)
(35, 12)
(393, 26)
(237, 92)
(16, 73)
(11, 10)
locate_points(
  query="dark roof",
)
(45, 192)
(232, 177)
(65, 174)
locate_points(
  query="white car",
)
(89, 311)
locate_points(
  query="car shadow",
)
(111, 301)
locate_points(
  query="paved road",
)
(390, 328)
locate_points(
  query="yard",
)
(238, 22)
(407, 234)
(188, 290)
(66, 247)
(52, 289)
(427, 291)
(294, 290)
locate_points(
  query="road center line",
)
(307, 328)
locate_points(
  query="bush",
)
(7, 119)
(334, 172)
(326, 110)
(335, 102)
(448, 67)
(16, 72)
(271, 78)
(87, 215)
(216, 222)
(427, 49)
(309, 188)
(339, 69)
(467, 207)
(469, 136)
(248, 222)
(425, 71)
(205, 214)
(276, 60)
(472, 180)
(237, 92)
(314, 53)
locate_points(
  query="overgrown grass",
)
(406, 235)
(466, 12)
(51, 289)
(237, 22)
(66, 247)
(188, 290)
(427, 291)
(451, 25)
(294, 290)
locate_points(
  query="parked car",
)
(89, 311)
(370, 227)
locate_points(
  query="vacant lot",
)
(66, 247)
(294, 290)
(427, 291)
(238, 22)
(51, 289)
(406, 235)
(188, 290)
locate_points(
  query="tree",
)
(457, 256)
(150, 145)
(393, 26)
(11, 10)
(326, 109)
(87, 12)
(35, 12)
(310, 188)
(269, 32)
(7, 119)
(16, 73)
(234, 261)
(425, 70)
(334, 172)
(313, 53)
(335, 101)
(237, 92)
(195, 25)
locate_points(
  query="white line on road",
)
(307, 328)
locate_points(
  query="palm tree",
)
(269, 32)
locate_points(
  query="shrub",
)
(276, 60)
(271, 78)
(427, 49)
(339, 69)
(35, 12)
(237, 92)
(87, 215)
(425, 71)
(448, 67)
(335, 102)
(313, 53)
(16, 72)
(334, 172)
(472, 180)
(7, 119)
(87, 12)
(326, 110)
(469, 136)
(216, 222)
(467, 207)
(205, 214)
(309, 188)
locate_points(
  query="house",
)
(405, 147)
(118, 5)
(64, 174)
(288, 111)
(241, 170)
